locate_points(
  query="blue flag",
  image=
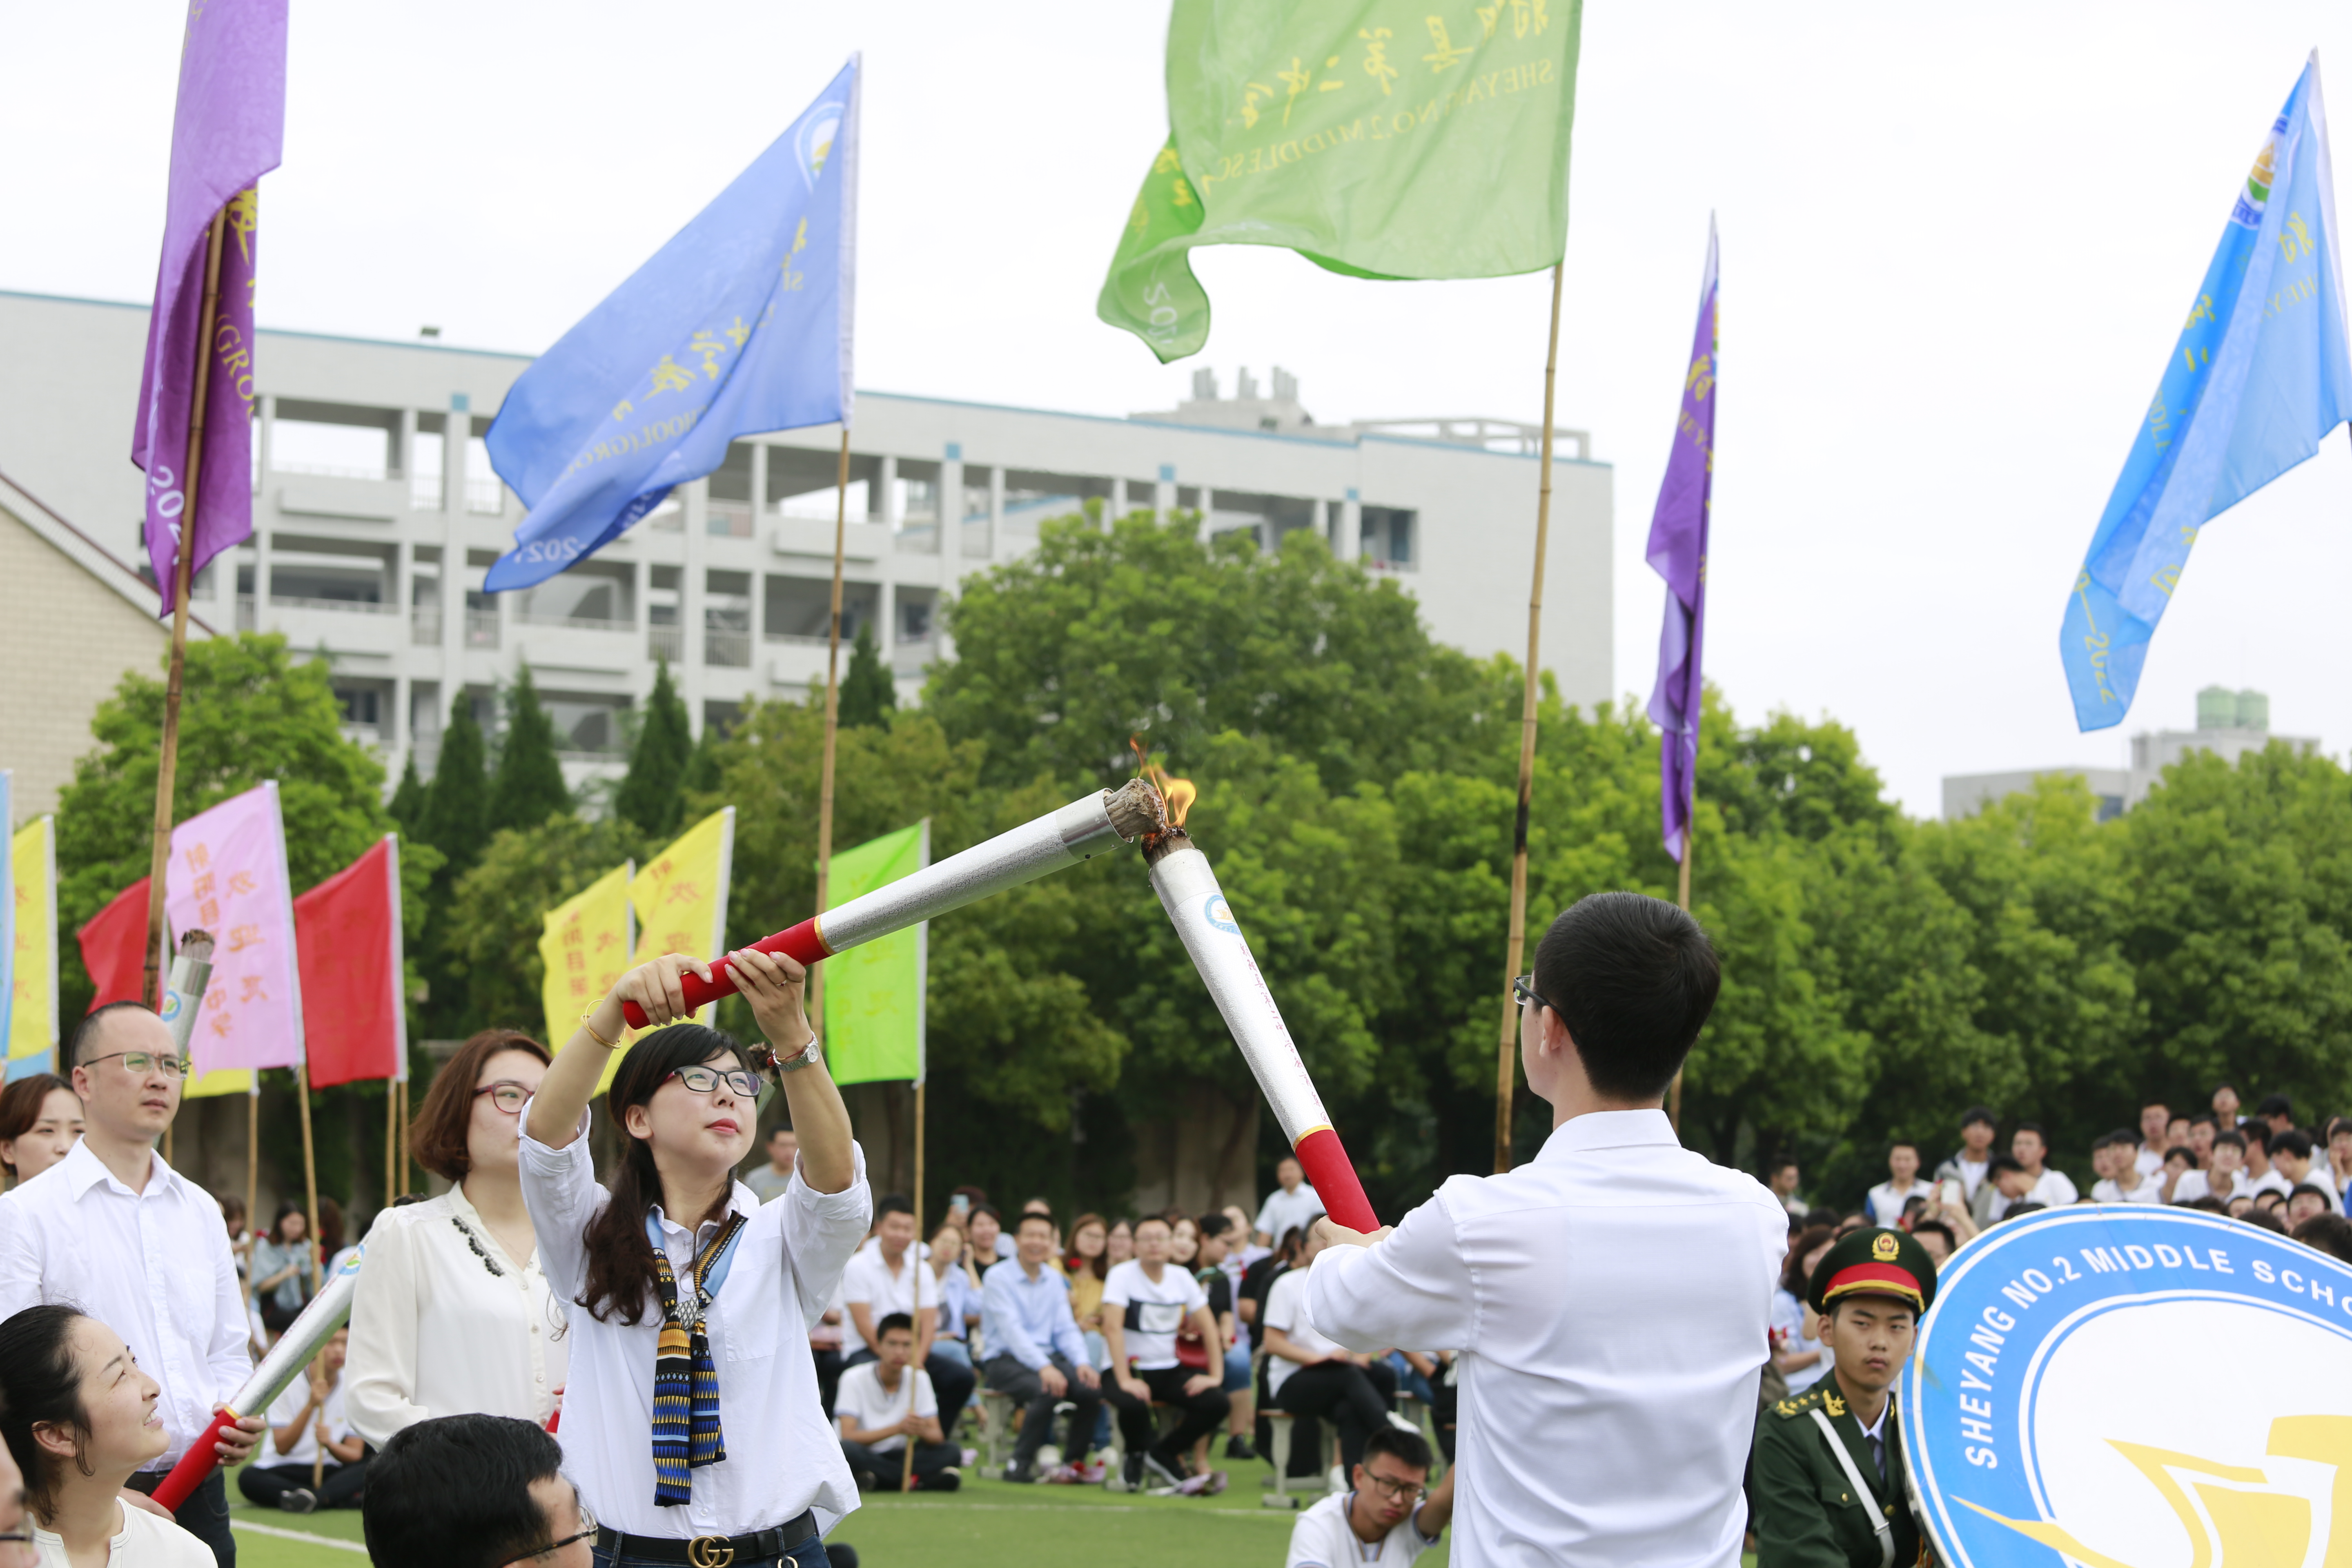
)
(2260, 374)
(739, 325)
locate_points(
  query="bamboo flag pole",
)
(310, 1172)
(191, 471)
(832, 720)
(253, 1156)
(1506, 1047)
(907, 1475)
(391, 1136)
(1681, 897)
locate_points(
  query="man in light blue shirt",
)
(1035, 1353)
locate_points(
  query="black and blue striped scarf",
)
(687, 1433)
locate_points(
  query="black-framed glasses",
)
(143, 1061)
(1524, 988)
(702, 1081)
(587, 1532)
(1398, 1490)
(507, 1095)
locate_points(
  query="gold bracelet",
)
(586, 1022)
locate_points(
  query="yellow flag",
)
(585, 946)
(33, 1014)
(680, 899)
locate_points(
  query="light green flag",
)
(1380, 138)
(873, 992)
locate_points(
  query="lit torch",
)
(296, 1348)
(191, 971)
(1078, 831)
(1189, 892)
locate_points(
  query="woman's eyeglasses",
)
(507, 1095)
(702, 1081)
(1524, 988)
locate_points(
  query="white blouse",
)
(446, 1323)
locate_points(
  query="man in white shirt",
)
(1146, 1300)
(1885, 1202)
(1388, 1515)
(2154, 1121)
(2122, 1179)
(2224, 1179)
(1974, 1161)
(888, 1276)
(883, 1402)
(1572, 1284)
(2052, 1188)
(1292, 1206)
(112, 1230)
(2292, 1163)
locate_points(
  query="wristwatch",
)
(808, 1056)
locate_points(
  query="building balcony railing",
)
(481, 628)
(424, 493)
(666, 642)
(579, 623)
(486, 497)
(727, 649)
(331, 472)
(425, 625)
(337, 607)
(728, 519)
(248, 616)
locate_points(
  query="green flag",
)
(1374, 137)
(873, 992)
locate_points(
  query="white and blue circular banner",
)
(2132, 1386)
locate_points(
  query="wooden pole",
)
(309, 1171)
(833, 718)
(1514, 944)
(407, 1160)
(1681, 897)
(391, 1136)
(159, 859)
(907, 1476)
(253, 1157)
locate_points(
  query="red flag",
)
(115, 947)
(347, 939)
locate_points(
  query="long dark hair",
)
(40, 1381)
(620, 1259)
(20, 1108)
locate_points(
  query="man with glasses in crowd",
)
(1386, 1508)
(115, 1232)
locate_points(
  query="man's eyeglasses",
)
(702, 1081)
(1524, 988)
(587, 1532)
(1398, 1492)
(507, 1095)
(143, 1061)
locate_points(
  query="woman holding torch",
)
(692, 1425)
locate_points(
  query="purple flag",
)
(227, 133)
(1678, 553)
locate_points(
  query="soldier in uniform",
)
(1830, 1485)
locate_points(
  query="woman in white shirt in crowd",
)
(1800, 1358)
(312, 1459)
(692, 1423)
(454, 1315)
(41, 1122)
(79, 1421)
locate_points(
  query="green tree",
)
(649, 793)
(528, 787)
(456, 804)
(498, 910)
(407, 807)
(867, 692)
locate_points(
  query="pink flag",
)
(228, 875)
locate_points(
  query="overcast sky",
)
(1958, 243)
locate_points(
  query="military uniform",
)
(1823, 1499)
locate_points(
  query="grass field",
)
(988, 1524)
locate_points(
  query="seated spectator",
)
(2030, 1147)
(2295, 1163)
(1146, 1301)
(2155, 1118)
(2269, 1200)
(2122, 1179)
(1386, 1508)
(2276, 1113)
(307, 1425)
(889, 1278)
(80, 1419)
(475, 1491)
(1291, 1205)
(1974, 1161)
(961, 1203)
(2202, 1129)
(2239, 1207)
(958, 1297)
(882, 1403)
(984, 1228)
(285, 1269)
(1884, 1206)
(1216, 1283)
(2222, 1179)
(1034, 1353)
(1310, 1374)
(2307, 1199)
(1797, 1355)
(2258, 1158)
(2339, 1153)
(2175, 1132)
(1120, 1247)
(2265, 1216)
(41, 1122)
(2179, 1163)
(1783, 1183)
(1936, 1239)
(2328, 1233)
(2008, 1183)
(772, 1175)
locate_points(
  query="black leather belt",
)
(711, 1551)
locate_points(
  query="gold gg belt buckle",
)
(711, 1552)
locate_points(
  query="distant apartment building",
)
(2229, 724)
(377, 513)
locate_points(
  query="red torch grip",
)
(200, 1461)
(803, 943)
(1333, 1178)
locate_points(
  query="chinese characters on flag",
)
(585, 946)
(228, 877)
(32, 1011)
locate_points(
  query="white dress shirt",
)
(1611, 1300)
(446, 1323)
(1884, 1204)
(153, 1265)
(1285, 1309)
(1289, 1211)
(782, 1456)
(868, 1281)
(2107, 1190)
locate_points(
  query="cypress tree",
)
(529, 786)
(867, 692)
(407, 807)
(456, 818)
(650, 794)
(702, 768)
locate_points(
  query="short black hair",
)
(2295, 1140)
(2163, 1105)
(990, 1210)
(890, 1204)
(1983, 1113)
(2207, 1117)
(2225, 1083)
(2338, 1124)
(1411, 1449)
(890, 1321)
(1784, 1163)
(1634, 979)
(1999, 1162)
(781, 1130)
(2019, 1211)
(2234, 1137)
(2264, 1219)
(2209, 1204)
(86, 1033)
(1027, 1215)
(2032, 1127)
(1940, 1228)
(2180, 1151)
(456, 1489)
(2327, 1233)
(1910, 1144)
(1214, 1224)
(2120, 1137)
(2276, 1105)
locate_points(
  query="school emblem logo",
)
(2045, 1416)
(1218, 913)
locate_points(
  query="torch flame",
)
(1177, 795)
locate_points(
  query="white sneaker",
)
(1401, 1424)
